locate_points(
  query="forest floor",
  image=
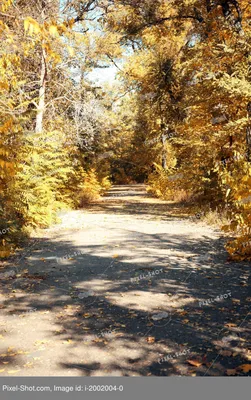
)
(142, 290)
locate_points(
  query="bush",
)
(90, 190)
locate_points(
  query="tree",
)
(192, 58)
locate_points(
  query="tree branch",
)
(160, 21)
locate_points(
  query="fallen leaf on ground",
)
(98, 340)
(87, 315)
(150, 339)
(38, 342)
(231, 372)
(28, 364)
(13, 371)
(195, 363)
(245, 367)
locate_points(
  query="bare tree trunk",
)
(41, 102)
(43, 74)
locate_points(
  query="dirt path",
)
(120, 289)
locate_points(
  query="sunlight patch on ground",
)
(147, 301)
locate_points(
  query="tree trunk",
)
(41, 101)
(164, 156)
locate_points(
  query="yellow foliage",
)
(31, 26)
(90, 189)
(6, 4)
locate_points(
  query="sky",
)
(99, 75)
(103, 75)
